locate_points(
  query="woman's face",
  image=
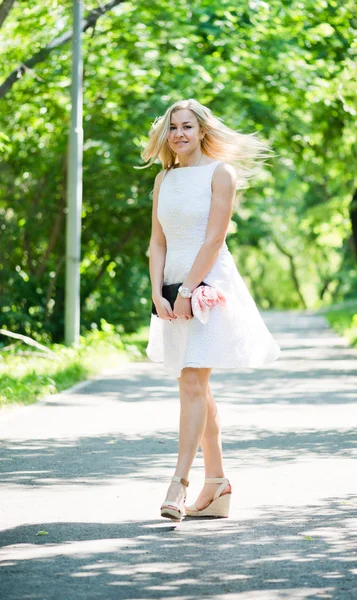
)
(185, 135)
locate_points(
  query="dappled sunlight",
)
(90, 468)
(105, 459)
(85, 460)
(264, 553)
(264, 446)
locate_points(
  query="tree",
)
(282, 68)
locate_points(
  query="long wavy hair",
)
(246, 152)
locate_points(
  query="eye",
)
(188, 127)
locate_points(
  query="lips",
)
(180, 143)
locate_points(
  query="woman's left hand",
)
(182, 308)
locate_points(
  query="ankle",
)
(221, 484)
(181, 480)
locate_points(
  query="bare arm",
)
(157, 257)
(223, 194)
(157, 247)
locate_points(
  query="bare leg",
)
(193, 419)
(211, 445)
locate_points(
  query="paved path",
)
(91, 468)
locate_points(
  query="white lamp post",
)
(74, 187)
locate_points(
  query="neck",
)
(192, 160)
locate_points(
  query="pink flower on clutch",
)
(203, 298)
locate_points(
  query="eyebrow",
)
(184, 123)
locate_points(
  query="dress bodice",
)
(183, 211)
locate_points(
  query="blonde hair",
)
(244, 151)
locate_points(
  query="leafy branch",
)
(89, 21)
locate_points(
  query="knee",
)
(191, 384)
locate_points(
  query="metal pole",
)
(74, 187)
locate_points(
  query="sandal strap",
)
(180, 480)
(222, 480)
(169, 504)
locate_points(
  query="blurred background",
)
(286, 69)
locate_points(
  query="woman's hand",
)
(163, 308)
(182, 308)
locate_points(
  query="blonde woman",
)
(193, 200)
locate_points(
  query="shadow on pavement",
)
(286, 554)
(305, 551)
(295, 384)
(102, 459)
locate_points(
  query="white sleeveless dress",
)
(235, 335)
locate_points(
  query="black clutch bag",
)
(170, 293)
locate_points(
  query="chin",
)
(182, 149)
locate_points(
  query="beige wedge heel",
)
(172, 510)
(219, 506)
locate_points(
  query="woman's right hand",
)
(163, 308)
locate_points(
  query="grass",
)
(344, 321)
(25, 379)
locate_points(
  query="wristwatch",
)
(185, 292)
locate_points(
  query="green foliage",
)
(344, 321)
(284, 68)
(26, 378)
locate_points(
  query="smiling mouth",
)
(179, 143)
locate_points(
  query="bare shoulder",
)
(224, 174)
(159, 177)
(157, 183)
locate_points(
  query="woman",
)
(193, 200)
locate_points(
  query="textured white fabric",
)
(236, 335)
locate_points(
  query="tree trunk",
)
(293, 270)
(353, 217)
(5, 8)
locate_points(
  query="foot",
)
(176, 493)
(207, 494)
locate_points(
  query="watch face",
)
(185, 292)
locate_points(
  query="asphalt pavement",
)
(83, 474)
